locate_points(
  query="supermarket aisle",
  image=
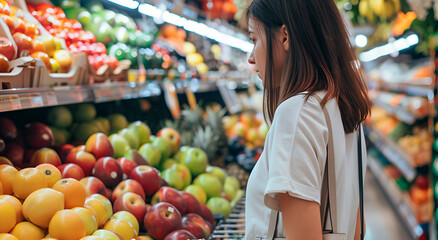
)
(382, 223)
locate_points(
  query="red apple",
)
(27, 158)
(148, 177)
(207, 214)
(71, 170)
(179, 235)
(127, 166)
(125, 186)
(99, 145)
(136, 157)
(39, 135)
(14, 152)
(45, 155)
(8, 130)
(108, 193)
(109, 171)
(64, 150)
(172, 196)
(7, 49)
(132, 203)
(84, 159)
(195, 224)
(162, 219)
(93, 185)
(172, 136)
(192, 203)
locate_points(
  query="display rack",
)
(234, 226)
(395, 197)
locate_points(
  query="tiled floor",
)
(382, 222)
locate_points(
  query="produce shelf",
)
(392, 152)
(19, 99)
(423, 88)
(234, 226)
(398, 112)
(394, 195)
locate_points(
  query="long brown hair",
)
(320, 57)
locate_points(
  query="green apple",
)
(233, 181)
(184, 172)
(230, 190)
(218, 172)
(164, 147)
(151, 153)
(142, 130)
(135, 156)
(85, 112)
(120, 145)
(173, 178)
(211, 184)
(105, 124)
(198, 192)
(196, 160)
(168, 163)
(61, 135)
(117, 121)
(60, 117)
(131, 137)
(219, 205)
(85, 130)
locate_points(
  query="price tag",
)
(191, 99)
(36, 100)
(230, 97)
(15, 102)
(51, 98)
(5, 103)
(171, 98)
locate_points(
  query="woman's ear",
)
(284, 36)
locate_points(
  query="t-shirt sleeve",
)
(296, 153)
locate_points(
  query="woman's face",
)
(258, 56)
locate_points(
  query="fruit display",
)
(119, 179)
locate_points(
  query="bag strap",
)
(359, 157)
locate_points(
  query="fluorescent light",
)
(361, 40)
(149, 10)
(126, 3)
(195, 27)
(389, 48)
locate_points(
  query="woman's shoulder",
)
(296, 104)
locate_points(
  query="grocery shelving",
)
(423, 88)
(392, 152)
(399, 112)
(395, 197)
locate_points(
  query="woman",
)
(302, 54)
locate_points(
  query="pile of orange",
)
(36, 203)
(248, 126)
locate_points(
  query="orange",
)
(125, 215)
(28, 231)
(51, 173)
(1, 188)
(92, 238)
(121, 227)
(8, 217)
(41, 205)
(67, 225)
(99, 209)
(7, 173)
(49, 238)
(27, 181)
(88, 218)
(7, 236)
(73, 191)
(43, 57)
(15, 203)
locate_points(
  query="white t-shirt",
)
(293, 161)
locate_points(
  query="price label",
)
(230, 97)
(171, 98)
(36, 100)
(15, 102)
(51, 98)
(5, 103)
